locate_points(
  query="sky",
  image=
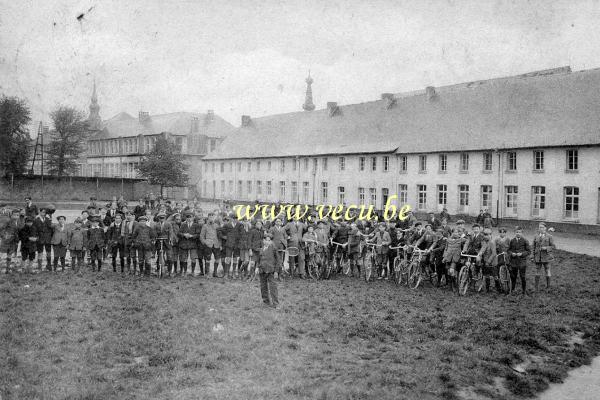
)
(252, 57)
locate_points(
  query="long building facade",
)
(524, 148)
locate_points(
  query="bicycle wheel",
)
(478, 279)
(404, 271)
(345, 262)
(414, 275)
(463, 280)
(397, 270)
(505, 280)
(159, 264)
(368, 265)
(329, 267)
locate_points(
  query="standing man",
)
(115, 240)
(9, 237)
(77, 239)
(43, 228)
(189, 232)
(164, 230)
(128, 245)
(209, 237)
(229, 236)
(543, 246)
(31, 209)
(518, 250)
(96, 242)
(279, 241)
(60, 240)
(143, 238)
(267, 267)
(295, 230)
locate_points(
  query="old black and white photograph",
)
(345, 199)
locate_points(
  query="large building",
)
(524, 147)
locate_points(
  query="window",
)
(442, 196)
(239, 166)
(403, 164)
(282, 190)
(487, 162)
(486, 197)
(373, 196)
(385, 194)
(342, 161)
(511, 198)
(443, 163)
(257, 166)
(282, 166)
(572, 160)
(249, 187)
(204, 188)
(324, 163)
(421, 197)
(294, 191)
(239, 189)
(249, 168)
(231, 167)
(538, 201)
(268, 165)
(323, 192)
(315, 164)
(402, 194)
(422, 164)
(214, 188)
(269, 187)
(341, 195)
(463, 198)
(212, 167)
(361, 163)
(305, 191)
(386, 163)
(464, 162)
(230, 184)
(294, 164)
(538, 160)
(306, 162)
(571, 209)
(511, 161)
(374, 163)
(361, 196)
(222, 189)
(258, 188)
(222, 167)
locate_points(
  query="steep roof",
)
(546, 108)
(178, 123)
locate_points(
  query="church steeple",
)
(308, 102)
(94, 120)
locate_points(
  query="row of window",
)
(302, 193)
(129, 146)
(108, 170)
(371, 163)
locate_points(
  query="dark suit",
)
(96, 242)
(267, 266)
(518, 264)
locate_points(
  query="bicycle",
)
(418, 272)
(315, 261)
(291, 252)
(370, 260)
(160, 257)
(504, 273)
(468, 273)
(341, 262)
(400, 264)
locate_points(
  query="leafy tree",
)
(66, 140)
(164, 165)
(14, 135)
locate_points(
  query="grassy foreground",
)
(107, 337)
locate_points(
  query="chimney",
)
(144, 117)
(246, 121)
(390, 100)
(333, 108)
(195, 125)
(210, 117)
(430, 91)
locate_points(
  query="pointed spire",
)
(94, 120)
(308, 102)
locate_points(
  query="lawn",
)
(105, 337)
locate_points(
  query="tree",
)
(164, 165)
(66, 140)
(14, 135)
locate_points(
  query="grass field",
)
(107, 337)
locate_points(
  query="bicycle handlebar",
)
(398, 247)
(338, 244)
(468, 255)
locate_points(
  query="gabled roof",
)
(178, 123)
(547, 108)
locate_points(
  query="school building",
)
(525, 147)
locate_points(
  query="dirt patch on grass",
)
(103, 336)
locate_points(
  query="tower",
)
(94, 120)
(308, 102)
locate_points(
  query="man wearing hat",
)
(267, 266)
(31, 209)
(518, 251)
(189, 233)
(43, 227)
(230, 241)
(116, 243)
(9, 237)
(60, 240)
(28, 238)
(143, 238)
(129, 249)
(164, 230)
(96, 242)
(209, 237)
(77, 242)
(543, 246)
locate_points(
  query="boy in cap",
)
(518, 251)
(115, 240)
(31, 209)
(267, 267)
(60, 240)
(77, 242)
(164, 230)
(96, 242)
(28, 237)
(189, 232)
(543, 246)
(43, 228)
(129, 250)
(143, 238)
(9, 235)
